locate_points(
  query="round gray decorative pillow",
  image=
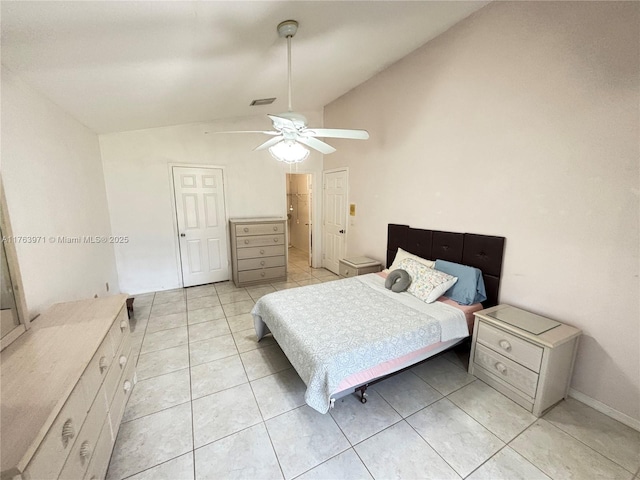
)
(398, 280)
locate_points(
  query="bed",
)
(344, 335)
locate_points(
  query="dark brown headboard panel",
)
(481, 251)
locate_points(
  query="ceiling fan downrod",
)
(288, 29)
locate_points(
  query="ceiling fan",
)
(290, 131)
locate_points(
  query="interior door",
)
(335, 218)
(202, 224)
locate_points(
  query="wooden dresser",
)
(258, 250)
(527, 357)
(65, 383)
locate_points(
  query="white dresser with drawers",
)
(258, 250)
(527, 357)
(65, 384)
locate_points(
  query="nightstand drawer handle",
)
(501, 368)
(505, 345)
(275, 229)
(262, 274)
(276, 239)
(246, 242)
(246, 229)
(262, 263)
(262, 252)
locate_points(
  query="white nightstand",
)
(350, 267)
(527, 357)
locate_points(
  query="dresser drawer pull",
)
(275, 229)
(68, 432)
(262, 252)
(103, 364)
(501, 368)
(505, 345)
(122, 361)
(275, 239)
(246, 229)
(85, 451)
(262, 274)
(246, 241)
(123, 325)
(126, 386)
(262, 263)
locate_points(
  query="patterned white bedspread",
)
(332, 330)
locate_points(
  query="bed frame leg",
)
(362, 391)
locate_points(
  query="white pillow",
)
(402, 254)
(427, 284)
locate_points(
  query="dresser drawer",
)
(259, 229)
(257, 263)
(264, 274)
(123, 392)
(520, 377)
(510, 346)
(119, 329)
(84, 447)
(58, 442)
(259, 252)
(117, 369)
(102, 454)
(259, 241)
(96, 371)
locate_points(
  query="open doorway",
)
(299, 214)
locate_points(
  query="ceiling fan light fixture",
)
(289, 151)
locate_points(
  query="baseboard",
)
(607, 410)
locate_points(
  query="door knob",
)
(341, 231)
(182, 235)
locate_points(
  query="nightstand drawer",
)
(345, 269)
(258, 263)
(510, 346)
(259, 229)
(520, 377)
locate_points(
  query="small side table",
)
(527, 357)
(350, 267)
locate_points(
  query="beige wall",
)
(54, 184)
(521, 121)
(139, 186)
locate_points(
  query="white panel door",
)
(202, 226)
(335, 218)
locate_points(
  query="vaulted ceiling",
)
(126, 65)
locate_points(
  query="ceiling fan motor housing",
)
(288, 28)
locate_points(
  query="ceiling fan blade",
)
(269, 143)
(337, 133)
(317, 144)
(284, 121)
(270, 132)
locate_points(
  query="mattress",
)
(337, 329)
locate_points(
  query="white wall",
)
(521, 121)
(54, 184)
(138, 179)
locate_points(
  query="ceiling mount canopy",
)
(291, 135)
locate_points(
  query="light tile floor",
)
(212, 403)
